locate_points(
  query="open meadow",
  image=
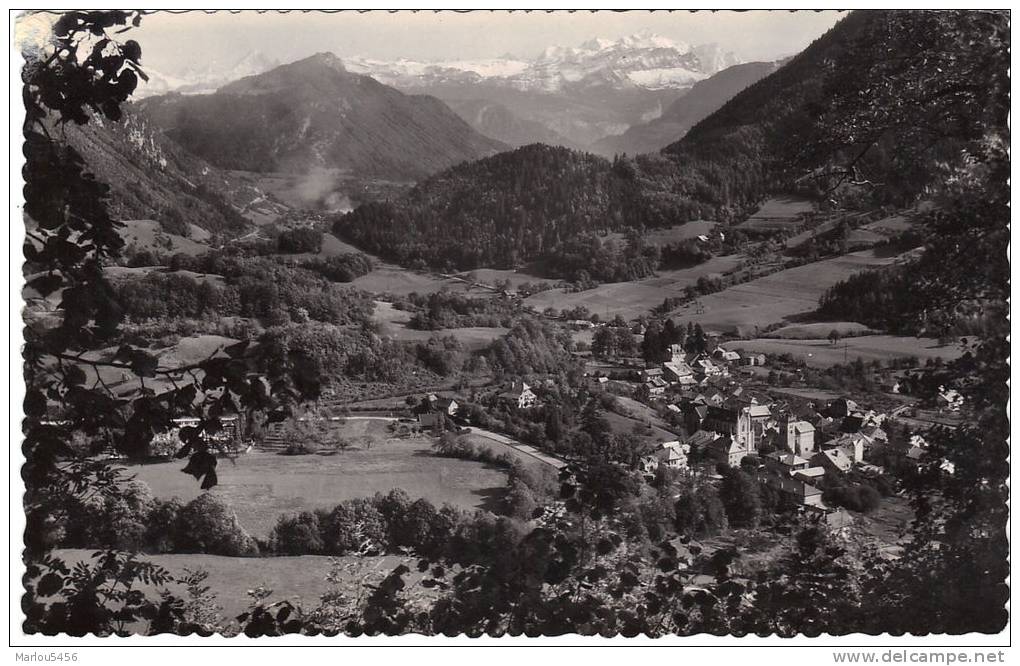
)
(747, 308)
(822, 353)
(819, 330)
(777, 213)
(637, 298)
(148, 235)
(261, 486)
(394, 325)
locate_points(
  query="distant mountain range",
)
(704, 98)
(315, 114)
(601, 87)
(643, 60)
(571, 96)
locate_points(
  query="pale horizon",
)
(176, 42)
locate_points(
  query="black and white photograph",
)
(604, 327)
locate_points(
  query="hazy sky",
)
(171, 42)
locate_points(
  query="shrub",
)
(207, 525)
(297, 535)
(160, 535)
(104, 521)
(520, 501)
(861, 498)
(354, 526)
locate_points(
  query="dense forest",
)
(516, 207)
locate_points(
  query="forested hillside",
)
(516, 207)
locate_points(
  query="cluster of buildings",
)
(797, 449)
(683, 370)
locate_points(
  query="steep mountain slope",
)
(869, 114)
(498, 122)
(315, 114)
(704, 98)
(150, 177)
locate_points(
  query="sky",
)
(176, 42)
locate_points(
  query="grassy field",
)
(491, 276)
(777, 213)
(261, 486)
(633, 299)
(672, 234)
(390, 279)
(147, 235)
(819, 330)
(748, 307)
(650, 434)
(136, 272)
(394, 324)
(823, 354)
(893, 224)
(301, 579)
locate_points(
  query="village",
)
(711, 409)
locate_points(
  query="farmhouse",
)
(433, 411)
(785, 463)
(948, 400)
(726, 355)
(833, 460)
(801, 492)
(753, 359)
(656, 386)
(853, 445)
(670, 454)
(519, 395)
(704, 367)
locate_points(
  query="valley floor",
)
(261, 486)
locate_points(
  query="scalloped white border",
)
(700, 649)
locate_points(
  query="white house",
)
(520, 395)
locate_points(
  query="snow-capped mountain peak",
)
(644, 60)
(207, 77)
